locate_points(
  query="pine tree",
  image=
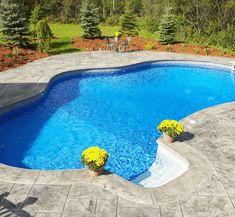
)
(13, 23)
(129, 24)
(167, 29)
(90, 21)
(44, 35)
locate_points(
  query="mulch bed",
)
(9, 58)
(140, 44)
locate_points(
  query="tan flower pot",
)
(95, 172)
(167, 138)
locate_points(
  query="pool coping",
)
(195, 176)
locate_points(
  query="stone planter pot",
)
(167, 138)
(96, 172)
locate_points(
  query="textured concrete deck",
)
(207, 189)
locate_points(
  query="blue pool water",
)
(118, 112)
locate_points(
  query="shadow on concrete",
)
(7, 208)
(186, 136)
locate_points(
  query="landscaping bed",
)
(13, 57)
(140, 44)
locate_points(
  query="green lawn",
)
(65, 33)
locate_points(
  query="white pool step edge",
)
(157, 175)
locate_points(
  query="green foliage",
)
(129, 24)
(113, 20)
(44, 35)
(70, 11)
(149, 46)
(90, 21)
(200, 21)
(224, 39)
(36, 16)
(167, 29)
(13, 23)
(149, 23)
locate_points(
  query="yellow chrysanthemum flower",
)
(171, 127)
(94, 157)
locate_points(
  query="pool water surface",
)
(118, 112)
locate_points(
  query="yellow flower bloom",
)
(117, 34)
(171, 127)
(94, 157)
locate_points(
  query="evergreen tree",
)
(167, 29)
(36, 16)
(13, 23)
(90, 21)
(129, 24)
(44, 35)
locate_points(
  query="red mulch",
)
(8, 60)
(139, 44)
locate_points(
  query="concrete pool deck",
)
(206, 189)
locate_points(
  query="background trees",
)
(200, 21)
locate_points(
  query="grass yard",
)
(65, 33)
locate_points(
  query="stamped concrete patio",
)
(207, 189)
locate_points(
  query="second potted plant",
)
(95, 159)
(171, 129)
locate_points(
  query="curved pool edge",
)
(184, 185)
(199, 171)
(194, 177)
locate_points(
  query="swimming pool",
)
(117, 111)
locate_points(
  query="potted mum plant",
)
(171, 129)
(95, 159)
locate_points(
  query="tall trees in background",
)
(196, 19)
(13, 23)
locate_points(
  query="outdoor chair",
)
(109, 45)
(124, 47)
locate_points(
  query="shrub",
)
(36, 16)
(152, 25)
(113, 20)
(44, 35)
(90, 21)
(167, 29)
(13, 23)
(224, 39)
(149, 46)
(128, 23)
(95, 158)
(171, 127)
